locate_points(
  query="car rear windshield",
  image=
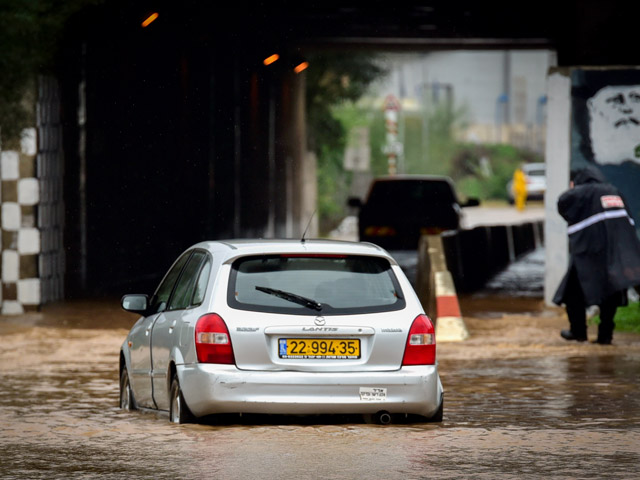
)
(314, 284)
(538, 172)
(411, 193)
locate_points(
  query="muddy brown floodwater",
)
(520, 402)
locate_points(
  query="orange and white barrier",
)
(450, 326)
(437, 291)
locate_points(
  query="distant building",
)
(504, 92)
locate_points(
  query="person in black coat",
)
(604, 253)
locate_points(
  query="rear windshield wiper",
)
(291, 297)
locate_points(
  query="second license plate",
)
(316, 348)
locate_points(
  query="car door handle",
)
(173, 325)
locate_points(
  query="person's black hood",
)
(587, 175)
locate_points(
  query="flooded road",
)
(520, 402)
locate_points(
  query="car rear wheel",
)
(127, 402)
(178, 410)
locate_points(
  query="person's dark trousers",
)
(607, 313)
(576, 309)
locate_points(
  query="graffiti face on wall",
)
(605, 128)
(614, 124)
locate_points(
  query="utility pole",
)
(392, 148)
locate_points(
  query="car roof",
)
(410, 177)
(402, 184)
(533, 166)
(234, 248)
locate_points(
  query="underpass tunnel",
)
(172, 138)
(153, 138)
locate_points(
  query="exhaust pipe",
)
(383, 418)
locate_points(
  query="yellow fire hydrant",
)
(519, 189)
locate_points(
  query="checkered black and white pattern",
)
(20, 235)
(32, 211)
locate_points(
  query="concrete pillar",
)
(20, 235)
(558, 158)
(301, 164)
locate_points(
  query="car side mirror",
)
(135, 303)
(471, 202)
(354, 202)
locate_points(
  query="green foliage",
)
(334, 82)
(441, 122)
(427, 138)
(30, 31)
(430, 147)
(377, 139)
(333, 185)
(428, 135)
(483, 171)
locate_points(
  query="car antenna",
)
(302, 240)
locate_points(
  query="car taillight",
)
(421, 344)
(431, 230)
(213, 343)
(380, 231)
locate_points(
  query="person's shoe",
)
(602, 341)
(568, 335)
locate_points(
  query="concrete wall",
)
(557, 158)
(477, 78)
(32, 213)
(503, 91)
(474, 256)
(50, 179)
(605, 127)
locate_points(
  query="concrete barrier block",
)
(498, 247)
(424, 285)
(451, 329)
(450, 326)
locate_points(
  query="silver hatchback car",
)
(281, 327)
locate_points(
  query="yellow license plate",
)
(318, 348)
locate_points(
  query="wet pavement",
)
(520, 402)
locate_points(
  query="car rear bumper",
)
(535, 195)
(210, 389)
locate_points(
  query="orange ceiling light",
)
(271, 59)
(301, 67)
(150, 19)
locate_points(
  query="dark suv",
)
(401, 208)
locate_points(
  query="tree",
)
(334, 79)
(30, 32)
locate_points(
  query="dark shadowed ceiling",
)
(587, 32)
